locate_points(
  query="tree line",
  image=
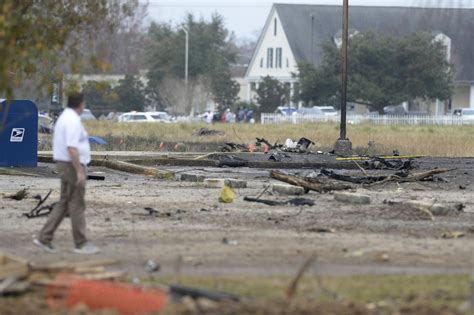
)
(109, 37)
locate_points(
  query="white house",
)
(294, 33)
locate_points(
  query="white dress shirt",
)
(70, 133)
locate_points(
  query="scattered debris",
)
(235, 147)
(352, 198)
(453, 235)
(97, 140)
(152, 266)
(14, 172)
(320, 230)
(314, 184)
(235, 183)
(226, 241)
(278, 156)
(407, 211)
(231, 161)
(415, 177)
(208, 132)
(19, 195)
(435, 208)
(227, 195)
(214, 183)
(95, 177)
(261, 141)
(40, 210)
(288, 190)
(353, 179)
(292, 202)
(301, 146)
(356, 253)
(384, 257)
(179, 292)
(151, 211)
(401, 176)
(377, 163)
(192, 177)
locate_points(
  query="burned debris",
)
(19, 195)
(40, 210)
(403, 176)
(297, 202)
(208, 132)
(318, 185)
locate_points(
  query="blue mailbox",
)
(18, 133)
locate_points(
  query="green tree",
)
(225, 90)
(210, 53)
(99, 97)
(37, 34)
(383, 70)
(272, 94)
(131, 94)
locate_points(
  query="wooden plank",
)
(12, 266)
(71, 266)
(13, 269)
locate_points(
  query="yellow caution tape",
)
(360, 158)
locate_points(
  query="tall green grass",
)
(454, 141)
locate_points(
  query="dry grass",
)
(396, 290)
(423, 140)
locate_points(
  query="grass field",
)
(424, 140)
(389, 292)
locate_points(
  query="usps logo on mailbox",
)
(17, 135)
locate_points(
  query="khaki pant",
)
(72, 202)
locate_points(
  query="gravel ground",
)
(261, 240)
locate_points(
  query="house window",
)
(270, 58)
(278, 57)
(261, 62)
(253, 86)
(275, 27)
(287, 63)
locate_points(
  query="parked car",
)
(87, 115)
(316, 111)
(287, 111)
(162, 117)
(465, 113)
(328, 110)
(136, 117)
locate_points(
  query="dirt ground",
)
(249, 239)
(263, 239)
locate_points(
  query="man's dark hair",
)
(75, 100)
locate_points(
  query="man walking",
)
(71, 151)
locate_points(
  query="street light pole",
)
(186, 69)
(343, 146)
(345, 39)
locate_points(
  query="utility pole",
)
(186, 70)
(343, 146)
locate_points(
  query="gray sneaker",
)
(46, 247)
(87, 249)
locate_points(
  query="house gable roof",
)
(326, 21)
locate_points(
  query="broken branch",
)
(313, 185)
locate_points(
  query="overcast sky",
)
(247, 17)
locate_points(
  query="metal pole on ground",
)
(343, 146)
